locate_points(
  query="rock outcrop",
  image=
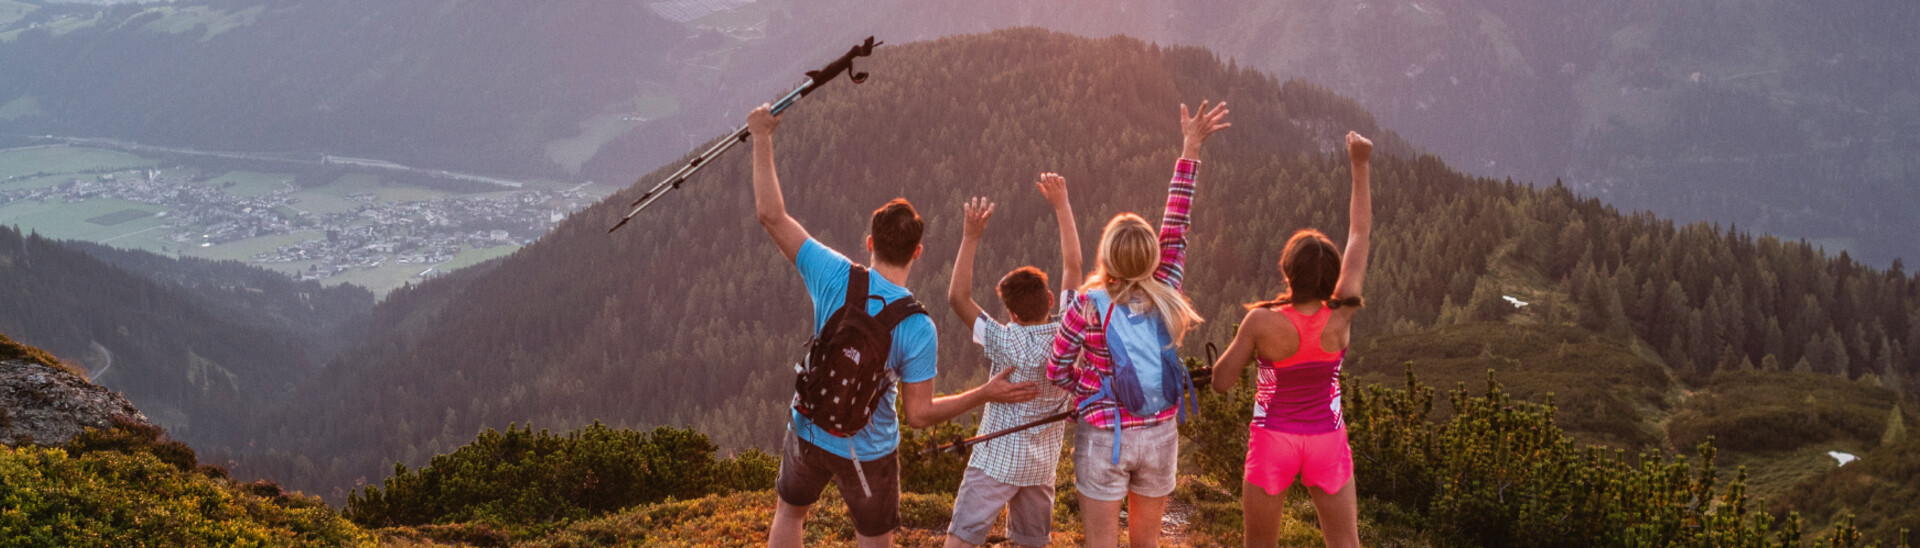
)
(43, 404)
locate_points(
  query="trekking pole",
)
(815, 79)
(961, 446)
(1203, 377)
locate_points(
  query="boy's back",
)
(1027, 457)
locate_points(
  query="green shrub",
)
(1882, 488)
(1500, 473)
(1219, 434)
(528, 482)
(49, 497)
(1766, 411)
(938, 473)
(127, 436)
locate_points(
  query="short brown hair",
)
(1025, 293)
(896, 232)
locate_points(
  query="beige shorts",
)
(1149, 457)
(1029, 510)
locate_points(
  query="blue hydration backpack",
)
(1147, 374)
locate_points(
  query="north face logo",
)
(852, 354)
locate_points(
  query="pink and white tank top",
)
(1300, 394)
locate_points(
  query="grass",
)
(472, 256)
(241, 250)
(11, 11)
(333, 197)
(572, 152)
(248, 184)
(68, 221)
(180, 20)
(1606, 394)
(66, 160)
(22, 106)
(379, 280)
(36, 182)
(118, 217)
(1768, 411)
(10, 350)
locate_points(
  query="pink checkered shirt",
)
(1081, 328)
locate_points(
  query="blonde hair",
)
(1128, 256)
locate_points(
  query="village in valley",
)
(358, 223)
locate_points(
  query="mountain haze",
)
(1788, 118)
(200, 357)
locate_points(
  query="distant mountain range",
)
(1789, 118)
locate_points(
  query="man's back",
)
(912, 357)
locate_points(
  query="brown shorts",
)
(806, 469)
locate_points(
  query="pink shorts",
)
(1320, 460)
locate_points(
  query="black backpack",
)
(845, 372)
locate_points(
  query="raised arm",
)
(1175, 219)
(923, 410)
(960, 289)
(1054, 188)
(770, 206)
(1353, 267)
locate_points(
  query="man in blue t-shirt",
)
(866, 467)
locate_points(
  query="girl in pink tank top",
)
(1297, 343)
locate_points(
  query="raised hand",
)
(762, 121)
(978, 211)
(999, 390)
(1359, 149)
(1196, 128)
(1054, 188)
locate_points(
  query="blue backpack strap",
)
(1106, 392)
(1189, 395)
(1101, 300)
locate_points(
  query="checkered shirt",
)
(1028, 457)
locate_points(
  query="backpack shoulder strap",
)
(856, 290)
(1101, 299)
(898, 311)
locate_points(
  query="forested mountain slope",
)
(200, 358)
(688, 316)
(1787, 117)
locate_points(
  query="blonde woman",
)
(1128, 318)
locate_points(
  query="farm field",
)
(69, 221)
(60, 159)
(114, 219)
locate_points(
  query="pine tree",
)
(1896, 428)
(1776, 341)
(1815, 354)
(1837, 352)
(1770, 363)
(1728, 360)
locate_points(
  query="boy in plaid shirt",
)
(1016, 471)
